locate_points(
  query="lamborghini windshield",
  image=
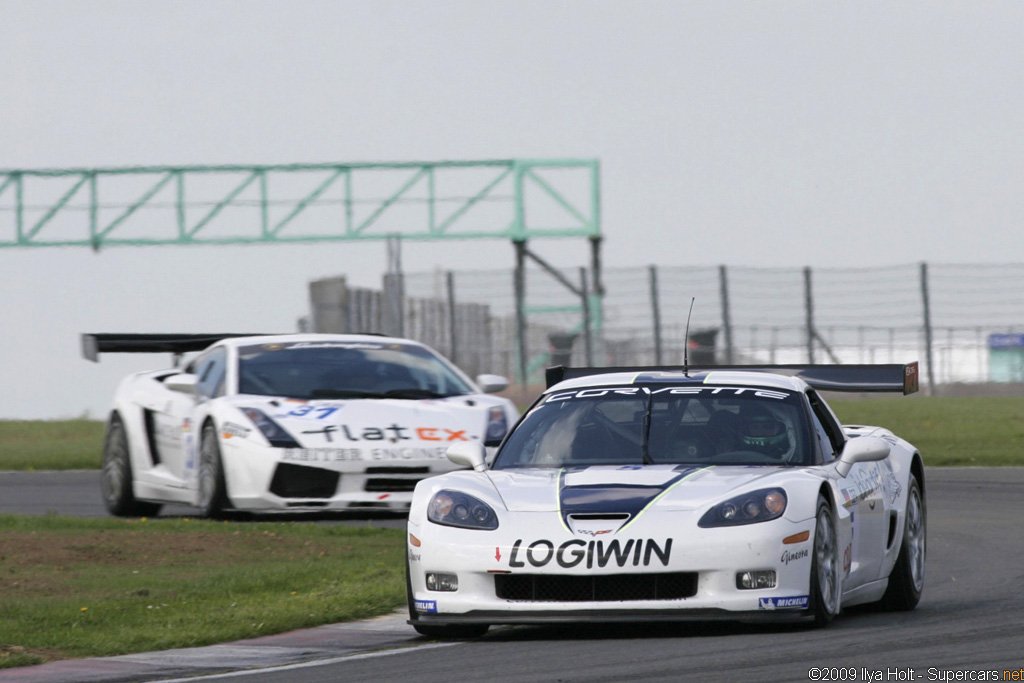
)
(658, 425)
(341, 370)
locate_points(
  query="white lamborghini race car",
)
(661, 494)
(302, 422)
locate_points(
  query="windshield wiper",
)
(412, 392)
(408, 392)
(343, 393)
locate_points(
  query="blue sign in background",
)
(1005, 341)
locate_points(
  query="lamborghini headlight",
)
(757, 506)
(453, 508)
(274, 432)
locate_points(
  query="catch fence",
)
(964, 323)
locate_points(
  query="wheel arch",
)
(917, 469)
(825, 491)
(208, 421)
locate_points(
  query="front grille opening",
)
(398, 470)
(599, 516)
(297, 481)
(600, 588)
(389, 485)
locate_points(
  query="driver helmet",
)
(761, 431)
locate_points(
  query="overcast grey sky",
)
(744, 133)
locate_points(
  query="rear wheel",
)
(116, 475)
(825, 584)
(907, 579)
(213, 497)
(446, 632)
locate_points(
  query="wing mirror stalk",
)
(468, 454)
(861, 449)
(183, 383)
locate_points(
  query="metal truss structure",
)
(100, 207)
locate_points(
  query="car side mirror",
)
(468, 454)
(492, 384)
(184, 383)
(862, 449)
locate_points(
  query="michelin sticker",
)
(797, 602)
(426, 606)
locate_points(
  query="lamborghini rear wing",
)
(894, 377)
(95, 344)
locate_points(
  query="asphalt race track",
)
(967, 626)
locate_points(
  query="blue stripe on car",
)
(591, 499)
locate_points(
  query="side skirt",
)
(869, 592)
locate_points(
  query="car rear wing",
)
(95, 344)
(895, 377)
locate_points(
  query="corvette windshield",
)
(312, 370)
(657, 425)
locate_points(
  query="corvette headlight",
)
(452, 508)
(274, 432)
(757, 506)
(497, 426)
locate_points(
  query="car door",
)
(169, 431)
(178, 454)
(862, 493)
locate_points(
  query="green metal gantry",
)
(179, 205)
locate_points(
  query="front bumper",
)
(620, 568)
(266, 479)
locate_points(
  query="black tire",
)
(826, 588)
(906, 582)
(116, 475)
(213, 496)
(446, 632)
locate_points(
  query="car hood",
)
(368, 423)
(624, 490)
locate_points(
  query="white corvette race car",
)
(308, 422)
(659, 494)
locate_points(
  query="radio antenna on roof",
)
(686, 340)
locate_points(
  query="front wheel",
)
(825, 583)
(116, 480)
(213, 497)
(906, 582)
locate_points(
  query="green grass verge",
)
(984, 431)
(99, 587)
(51, 444)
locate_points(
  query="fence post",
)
(723, 286)
(394, 289)
(520, 291)
(927, 328)
(597, 297)
(454, 346)
(652, 272)
(809, 306)
(588, 344)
